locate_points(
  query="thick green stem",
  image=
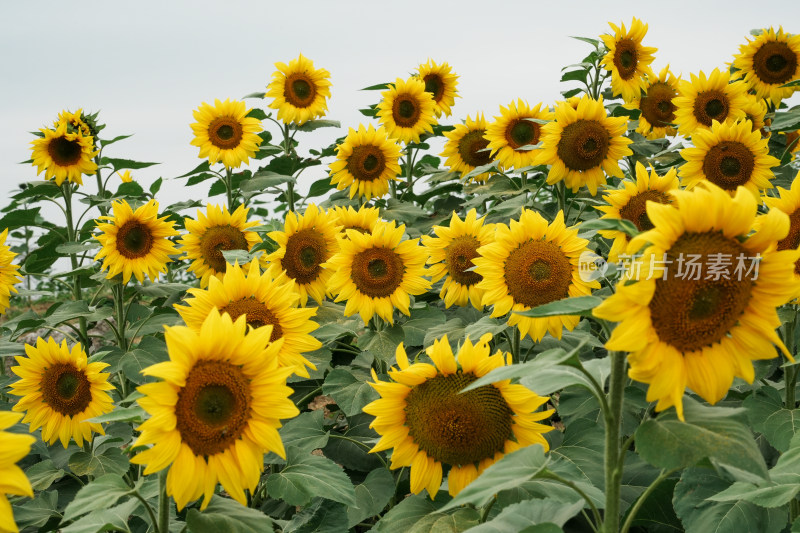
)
(561, 193)
(229, 187)
(409, 171)
(790, 374)
(613, 456)
(66, 191)
(642, 498)
(163, 503)
(119, 314)
(287, 151)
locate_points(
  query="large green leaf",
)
(767, 415)
(372, 496)
(111, 461)
(382, 343)
(578, 305)
(418, 514)
(322, 516)
(114, 519)
(343, 450)
(37, 512)
(43, 474)
(350, 391)
(223, 514)
(418, 324)
(304, 432)
(307, 476)
(518, 516)
(101, 493)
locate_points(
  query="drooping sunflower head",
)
(376, 272)
(440, 83)
(703, 100)
(363, 220)
(755, 110)
(265, 300)
(213, 232)
(468, 148)
(451, 253)
(63, 155)
(13, 448)
(225, 133)
(789, 202)
(9, 272)
(366, 161)
(60, 390)
(135, 242)
(655, 104)
(628, 61)
(769, 61)
(299, 91)
(427, 420)
(513, 134)
(703, 304)
(216, 410)
(583, 144)
(305, 244)
(406, 110)
(729, 155)
(529, 264)
(630, 203)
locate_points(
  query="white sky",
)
(146, 65)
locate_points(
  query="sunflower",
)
(530, 264)
(135, 242)
(630, 203)
(217, 409)
(377, 272)
(429, 423)
(582, 143)
(451, 254)
(755, 110)
(729, 156)
(655, 103)
(9, 275)
(264, 300)
(212, 233)
(407, 110)
(366, 161)
(628, 61)
(769, 61)
(512, 134)
(13, 447)
(441, 83)
(225, 133)
(60, 391)
(706, 99)
(699, 326)
(299, 91)
(362, 220)
(789, 203)
(76, 122)
(467, 147)
(305, 244)
(63, 155)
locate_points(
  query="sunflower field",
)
(573, 316)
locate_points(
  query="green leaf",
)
(419, 323)
(509, 472)
(794, 83)
(453, 328)
(264, 179)
(419, 509)
(770, 496)
(593, 42)
(575, 75)
(114, 519)
(111, 461)
(312, 125)
(350, 455)
(615, 224)
(307, 476)
(460, 520)
(202, 167)
(350, 392)
(372, 496)
(256, 113)
(105, 143)
(786, 121)
(485, 325)
(133, 414)
(101, 493)
(76, 247)
(579, 305)
(305, 432)
(700, 515)
(382, 343)
(20, 217)
(320, 187)
(133, 362)
(37, 512)
(323, 516)
(227, 515)
(713, 432)
(402, 211)
(377, 87)
(120, 164)
(518, 516)
(767, 415)
(43, 474)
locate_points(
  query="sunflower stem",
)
(163, 503)
(229, 187)
(790, 375)
(486, 509)
(613, 460)
(119, 314)
(642, 498)
(66, 191)
(287, 151)
(409, 171)
(147, 507)
(561, 193)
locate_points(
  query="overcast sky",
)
(146, 65)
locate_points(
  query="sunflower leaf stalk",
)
(163, 502)
(613, 454)
(67, 191)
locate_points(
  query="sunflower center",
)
(458, 258)
(134, 239)
(256, 313)
(690, 313)
(583, 145)
(299, 90)
(458, 429)
(656, 105)
(729, 164)
(537, 272)
(306, 250)
(66, 389)
(377, 272)
(792, 240)
(406, 111)
(710, 106)
(521, 132)
(636, 208)
(64, 152)
(225, 133)
(213, 408)
(626, 58)
(434, 85)
(219, 238)
(472, 149)
(775, 63)
(366, 163)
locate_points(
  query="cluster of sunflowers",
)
(215, 405)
